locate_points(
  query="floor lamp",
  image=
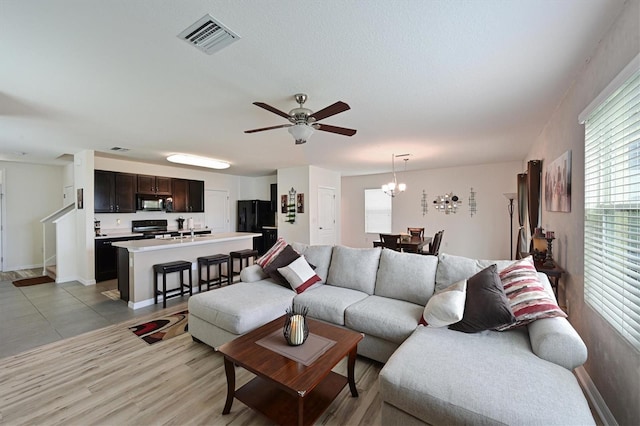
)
(510, 196)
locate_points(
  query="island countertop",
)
(185, 241)
(136, 258)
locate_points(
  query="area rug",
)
(163, 328)
(33, 281)
(112, 294)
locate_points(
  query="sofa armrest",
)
(555, 340)
(252, 273)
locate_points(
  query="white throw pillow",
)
(299, 275)
(445, 307)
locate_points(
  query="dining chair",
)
(416, 232)
(390, 241)
(434, 245)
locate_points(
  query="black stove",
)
(150, 227)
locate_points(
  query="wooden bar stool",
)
(241, 255)
(208, 261)
(167, 268)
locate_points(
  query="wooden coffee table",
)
(286, 391)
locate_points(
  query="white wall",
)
(485, 235)
(613, 365)
(255, 188)
(32, 191)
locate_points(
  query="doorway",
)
(216, 207)
(326, 216)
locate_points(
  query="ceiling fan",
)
(303, 121)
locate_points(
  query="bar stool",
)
(208, 261)
(241, 255)
(167, 268)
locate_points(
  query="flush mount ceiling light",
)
(194, 160)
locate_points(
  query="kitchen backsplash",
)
(122, 221)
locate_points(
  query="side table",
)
(554, 274)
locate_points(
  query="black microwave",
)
(154, 203)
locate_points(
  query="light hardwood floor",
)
(111, 377)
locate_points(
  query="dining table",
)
(414, 244)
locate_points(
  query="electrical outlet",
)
(118, 222)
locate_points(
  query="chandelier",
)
(393, 188)
(447, 203)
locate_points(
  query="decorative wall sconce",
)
(472, 203)
(393, 188)
(424, 204)
(447, 203)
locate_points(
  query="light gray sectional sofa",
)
(431, 375)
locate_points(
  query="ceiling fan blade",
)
(334, 109)
(272, 109)
(268, 128)
(335, 129)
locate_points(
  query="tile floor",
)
(44, 313)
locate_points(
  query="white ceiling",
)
(452, 82)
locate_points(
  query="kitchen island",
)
(137, 257)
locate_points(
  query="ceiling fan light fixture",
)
(195, 160)
(301, 133)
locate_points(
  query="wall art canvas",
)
(284, 200)
(557, 184)
(300, 203)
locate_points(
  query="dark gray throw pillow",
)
(284, 258)
(486, 306)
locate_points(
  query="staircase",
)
(61, 225)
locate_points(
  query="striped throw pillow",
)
(272, 253)
(527, 296)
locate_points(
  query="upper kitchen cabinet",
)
(188, 196)
(114, 192)
(154, 185)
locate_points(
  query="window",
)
(612, 208)
(377, 212)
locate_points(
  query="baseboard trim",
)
(594, 397)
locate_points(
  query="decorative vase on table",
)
(295, 328)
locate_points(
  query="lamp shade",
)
(301, 133)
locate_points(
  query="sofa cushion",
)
(486, 306)
(299, 275)
(443, 377)
(406, 276)
(328, 303)
(397, 323)
(242, 307)
(452, 269)
(446, 307)
(354, 268)
(528, 298)
(318, 256)
(284, 258)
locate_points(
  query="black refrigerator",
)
(252, 216)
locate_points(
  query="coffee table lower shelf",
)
(282, 407)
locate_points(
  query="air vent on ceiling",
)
(119, 149)
(208, 35)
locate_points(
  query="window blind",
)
(612, 210)
(377, 212)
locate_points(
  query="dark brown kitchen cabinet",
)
(188, 196)
(154, 185)
(114, 192)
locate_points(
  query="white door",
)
(216, 207)
(327, 216)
